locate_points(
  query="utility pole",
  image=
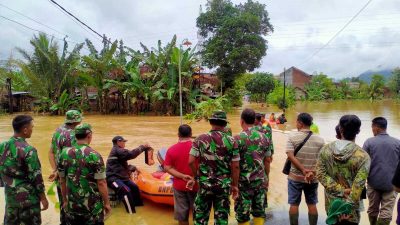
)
(10, 97)
(284, 90)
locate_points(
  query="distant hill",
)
(367, 75)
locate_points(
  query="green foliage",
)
(320, 88)
(233, 35)
(260, 85)
(241, 81)
(46, 71)
(234, 97)
(64, 103)
(276, 96)
(376, 88)
(204, 109)
(394, 82)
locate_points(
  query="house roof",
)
(20, 93)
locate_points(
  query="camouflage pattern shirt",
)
(21, 173)
(82, 166)
(253, 149)
(215, 150)
(62, 137)
(267, 131)
(343, 165)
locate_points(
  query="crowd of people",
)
(207, 172)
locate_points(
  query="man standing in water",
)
(342, 168)
(83, 181)
(384, 151)
(218, 171)
(254, 171)
(64, 136)
(302, 173)
(20, 170)
(176, 165)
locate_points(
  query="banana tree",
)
(98, 66)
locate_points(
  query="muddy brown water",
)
(162, 132)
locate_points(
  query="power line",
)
(76, 18)
(33, 19)
(30, 28)
(337, 33)
(15, 11)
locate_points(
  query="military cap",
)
(219, 115)
(73, 116)
(84, 128)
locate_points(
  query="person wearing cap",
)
(217, 172)
(119, 173)
(83, 181)
(64, 136)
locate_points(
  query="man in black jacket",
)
(118, 173)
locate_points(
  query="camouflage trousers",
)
(251, 201)
(76, 219)
(207, 199)
(23, 216)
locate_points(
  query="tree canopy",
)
(234, 42)
(261, 84)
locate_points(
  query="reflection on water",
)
(162, 132)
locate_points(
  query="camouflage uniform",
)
(64, 137)
(82, 166)
(267, 131)
(253, 149)
(21, 173)
(341, 169)
(215, 151)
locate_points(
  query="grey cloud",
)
(301, 27)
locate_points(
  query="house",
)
(297, 79)
(21, 101)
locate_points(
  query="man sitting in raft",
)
(118, 173)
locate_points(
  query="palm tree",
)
(48, 72)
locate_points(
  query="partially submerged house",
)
(297, 79)
(22, 101)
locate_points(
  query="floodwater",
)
(162, 132)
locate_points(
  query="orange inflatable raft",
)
(157, 186)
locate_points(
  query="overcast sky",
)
(372, 41)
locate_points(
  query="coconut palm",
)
(48, 72)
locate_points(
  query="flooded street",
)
(162, 132)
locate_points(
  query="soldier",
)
(255, 160)
(265, 129)
(21, 173)
(83, 181)
(64, 136)
(218, 171)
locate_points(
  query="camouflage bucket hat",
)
(219, 115)
(73, 116)
(84, 128)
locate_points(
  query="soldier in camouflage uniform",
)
(63, 137)
(343, 167)
(265, 129)
(254, 170)
(218, 171)
(21, 173)
(83, 184)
